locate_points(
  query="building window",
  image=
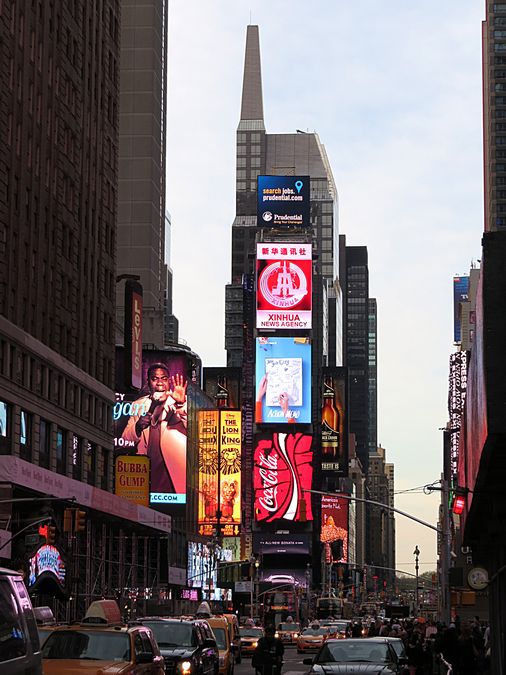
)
(44, 443)
(25, 436)
(90, 463)
(104, 480)
(61, 451)
(77, 456)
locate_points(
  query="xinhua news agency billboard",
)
(284, 289)
(283, 201)
(153, 421)
(283, 380)
(282, 474)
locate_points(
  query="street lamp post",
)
(254, 565)
(416, 553)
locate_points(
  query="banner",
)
(334, 532)
(220, 445)
(131, 475)
(283, 201)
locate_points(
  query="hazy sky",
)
(393, 89)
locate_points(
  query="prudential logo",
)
(267, 216)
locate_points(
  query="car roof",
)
(87, 627)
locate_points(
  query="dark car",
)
(188, 646)
(372, 656)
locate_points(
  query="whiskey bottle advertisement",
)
(333, 439)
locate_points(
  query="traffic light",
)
(459, 500)
(51, 534)
(80, 524)
(67, 520)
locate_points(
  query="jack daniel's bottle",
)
(330, 426)
(222, 392)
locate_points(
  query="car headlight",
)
(295, 635)
(254, 644)
(222, 661)
(186, 667)
(276, 634)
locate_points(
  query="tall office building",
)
(292, 154)
(381, 524)
(372, 339)
(360, 325)
(143, 226)
(59, 79)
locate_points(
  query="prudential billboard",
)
(283, 201)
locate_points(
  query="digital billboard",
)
(224, 386)
(334, 532)
(282, 471)
(283, 380)
(153, 422)
(203, 569)
(284, 288)
(220, 444)
(460, 294)
(334, 428)
(297, 544)
(283, 201)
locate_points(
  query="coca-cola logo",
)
(282, 472)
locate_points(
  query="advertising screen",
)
(297, 544)
(283, 201)
(460, 294)
(284, 274)
(224, 386)
(219, 472)
(334, 433)
(334, 532)
(203, 568)
(283, 380)
(281, 472)
(153, 422)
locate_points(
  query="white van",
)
(19, 639)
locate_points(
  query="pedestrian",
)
(268, 655)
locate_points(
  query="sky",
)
(394, 91)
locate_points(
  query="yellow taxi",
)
(288, 632)
(102, 645)
(250, 635)
(312, 638)
(219, 626)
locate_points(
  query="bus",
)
(278, 605)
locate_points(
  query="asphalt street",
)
(292, 663)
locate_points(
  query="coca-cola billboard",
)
(282, 471)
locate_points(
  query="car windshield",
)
(221, 638)
(316, 631)
(398, 645)
(43, 633)
(288, 626)
(251, 632)
(172, 634)
(346, 651)
(342, 626)
(87, 644)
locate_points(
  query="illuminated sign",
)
(334, 434)
(203, 568)
(47, 560)
(334, 532)
(283, 380)
(281, 543)
(282, 471)
(460, 294)
(456, 400)
(133, 334)
(284, 275)
(132, 478)
(189, 594)
(220, 435)
(283, 201)
(153, 422)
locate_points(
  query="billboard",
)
(284, 289)
(133, 334)
(219, 472)
(282, 471)
(131, 478)
(460, 294)
(283, 201)
(203, 569)
(297, 544)
(224, 386)
(283, 380)
(334, 532)
(334, 431)
(153, 421)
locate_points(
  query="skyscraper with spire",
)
(292, 154)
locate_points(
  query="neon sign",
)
(47, 559)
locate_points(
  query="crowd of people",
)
(464, 645)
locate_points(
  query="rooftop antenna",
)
(250, 17)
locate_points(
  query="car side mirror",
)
(145, 657)
(209, 643)
(308, 662)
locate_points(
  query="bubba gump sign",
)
(132, 478)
